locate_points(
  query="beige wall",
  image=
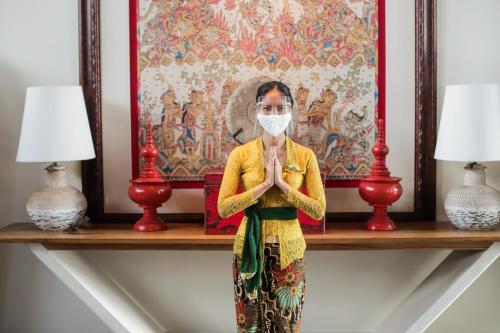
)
(39, 46)
(468, 50)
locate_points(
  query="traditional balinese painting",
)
(196, 67)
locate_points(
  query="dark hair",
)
(268, 86)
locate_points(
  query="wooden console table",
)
(191, 236)
(462, 257)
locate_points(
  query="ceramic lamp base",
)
(474, 206)
(57, 206)
(473, 219)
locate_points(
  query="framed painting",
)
(195, 69)
(141, 61)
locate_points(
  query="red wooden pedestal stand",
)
(379, 189)
(150, 190)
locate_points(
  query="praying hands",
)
(274, 170)
(278, 176)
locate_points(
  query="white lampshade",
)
(469, 129)
(55, 126)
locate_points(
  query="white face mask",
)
(274, 124)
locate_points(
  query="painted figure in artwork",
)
(301, 130)
(188, 142)
(320, 112)
(370, 18)
(210, 137)
(358, 131)
(170, 116)
(227, 140)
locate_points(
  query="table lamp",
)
(469, 131)
(55, 128)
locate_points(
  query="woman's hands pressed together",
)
(269, 181)
(274, 175)
(270, 165)
(278, 169)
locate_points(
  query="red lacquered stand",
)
(150, 190)
(379, 189)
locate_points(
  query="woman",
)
(268, 252)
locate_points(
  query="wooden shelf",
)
(191, 236)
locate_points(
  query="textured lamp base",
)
(474, 206)
(57, 206)
(473, 219)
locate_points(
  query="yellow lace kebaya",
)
(246, 162)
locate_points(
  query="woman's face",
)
(274, 102)
(274, 112)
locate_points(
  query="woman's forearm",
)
(260, 189)
(284, 187)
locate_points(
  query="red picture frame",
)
(135, 103)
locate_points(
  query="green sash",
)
(251, 255)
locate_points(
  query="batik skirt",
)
(278, 305)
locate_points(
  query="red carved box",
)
(216, 225)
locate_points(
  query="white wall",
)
(468, 51)
(39, 46)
